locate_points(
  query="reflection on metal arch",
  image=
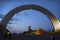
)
(14, 11)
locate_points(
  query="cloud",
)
(1, 15)
(26, 14)
(16, 28)
(0, 19)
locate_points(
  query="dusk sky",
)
(33, 18)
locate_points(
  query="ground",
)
(31, 37)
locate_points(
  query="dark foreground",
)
(31, 37)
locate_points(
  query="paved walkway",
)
(31, 37)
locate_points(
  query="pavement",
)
(30, 37)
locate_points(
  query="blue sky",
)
(27, 18)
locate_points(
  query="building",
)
(38, 31)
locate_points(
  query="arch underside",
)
(10, 14)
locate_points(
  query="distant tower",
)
(29, 30)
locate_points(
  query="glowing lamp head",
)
(8, 33)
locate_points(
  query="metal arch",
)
(10, 14)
